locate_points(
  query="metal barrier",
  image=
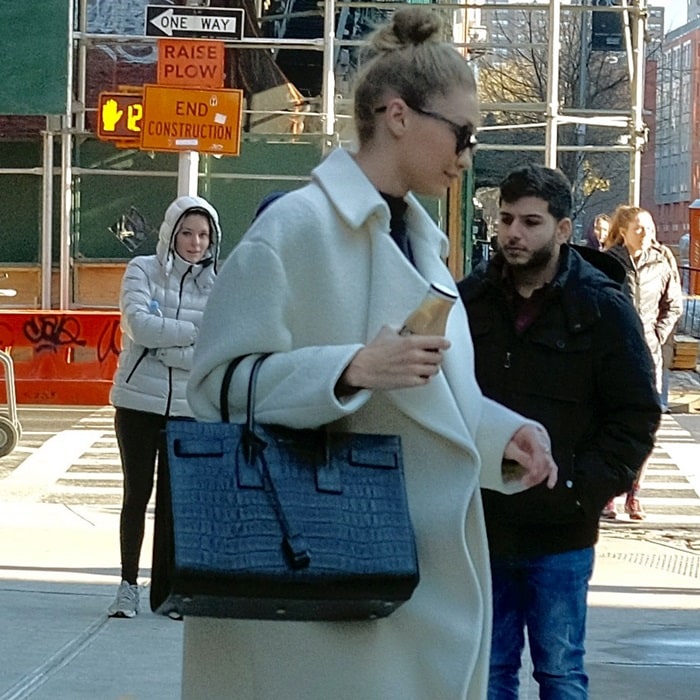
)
(10, 428)
(690, 279)
(689, 322)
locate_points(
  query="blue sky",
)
(675, 12)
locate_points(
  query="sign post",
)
(195, 66)
(184, 62)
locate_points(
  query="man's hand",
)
(531, 448)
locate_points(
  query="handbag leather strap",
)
(225, 386)
(294, 544)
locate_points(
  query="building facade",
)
(693, 10)
(676, 137)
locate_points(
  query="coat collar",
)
(655, 254)
(397, 288)
(360, 206)
(574, 286)
(357, 201)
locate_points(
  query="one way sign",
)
(203, 22)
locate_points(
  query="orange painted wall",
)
(61, 357)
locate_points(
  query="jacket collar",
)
(574, 285)
(653, 255)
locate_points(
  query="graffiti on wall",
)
(125, 18)
(49, 333)
(61, 357)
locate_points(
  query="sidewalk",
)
(58, 574)
(57, 577)
(684, 391)
(644, 621)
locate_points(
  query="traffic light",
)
(607, 28)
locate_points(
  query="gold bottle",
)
(430, 318)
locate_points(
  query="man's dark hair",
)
(534, 180)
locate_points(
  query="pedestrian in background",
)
(162, 301)
(556, 340)
(598, 232)
(653, 284)
(323, 280)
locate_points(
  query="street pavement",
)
(60, 493)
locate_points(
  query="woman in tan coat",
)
(654, 287)
(320, 282)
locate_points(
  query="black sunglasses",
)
(466, 137)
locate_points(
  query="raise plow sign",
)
(183, 62)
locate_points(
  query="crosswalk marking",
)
(82, 466)
(670, 491)
(42, 468)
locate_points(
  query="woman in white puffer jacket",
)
(162, 301)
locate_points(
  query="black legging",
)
(138, 436)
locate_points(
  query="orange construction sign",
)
(190, 119)
(191, 63)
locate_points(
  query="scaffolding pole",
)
(552, 109)
(67, 179)
(636, 31)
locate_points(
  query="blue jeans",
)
(665, 383)
(546, 594)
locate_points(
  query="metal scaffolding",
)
(632, 122)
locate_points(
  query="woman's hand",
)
(392, 361)
(531, 448)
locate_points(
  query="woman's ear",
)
(395, 116)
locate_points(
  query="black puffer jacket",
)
(583, 370)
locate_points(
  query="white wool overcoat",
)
(315, 278)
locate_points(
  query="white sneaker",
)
(126, 604)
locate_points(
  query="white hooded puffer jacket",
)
(162, 301)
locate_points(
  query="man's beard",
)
(538, 260)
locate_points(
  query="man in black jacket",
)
(557, 340)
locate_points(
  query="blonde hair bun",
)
(408, 27)
(409, 57)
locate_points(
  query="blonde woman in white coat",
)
(162, 301)
(319, 282)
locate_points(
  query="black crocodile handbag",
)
(265, 522)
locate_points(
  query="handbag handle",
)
(252, 384)
(294, 545)
(252, 444)
(226, 385)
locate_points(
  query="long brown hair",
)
(621, 219)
